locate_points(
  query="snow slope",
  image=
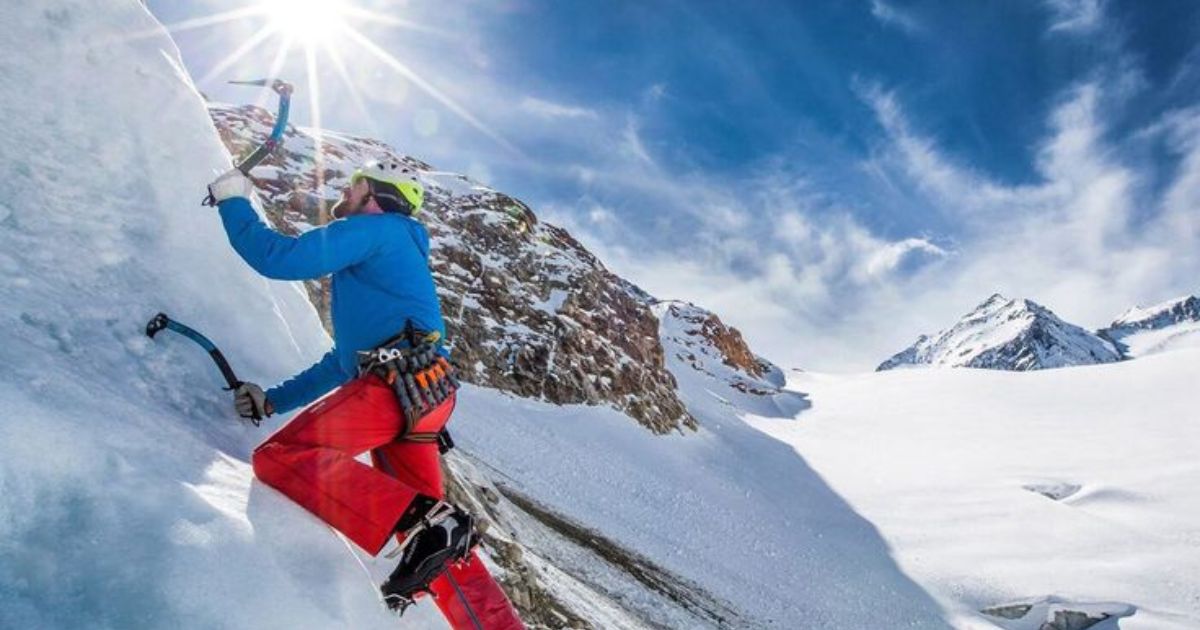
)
(1004, 334)
(125, 497)
(729, 508)
(1061, 488)
(738, 513)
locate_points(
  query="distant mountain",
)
(1004, 334)
(1166, 326)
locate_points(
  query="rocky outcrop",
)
(700, 340)
(1054, 613)
(528, 309)
(559, 573)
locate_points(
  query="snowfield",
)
(994, 488)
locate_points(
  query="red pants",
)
(311, 460)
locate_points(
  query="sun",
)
(307, 22)
(323, 31)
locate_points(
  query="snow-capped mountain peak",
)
(1007, 334)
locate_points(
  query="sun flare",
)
(320, 30)
(307, 21)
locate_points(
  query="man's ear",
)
(371, 204)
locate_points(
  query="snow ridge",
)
(1004, 334)
(1169, 325)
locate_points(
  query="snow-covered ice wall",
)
(125, 499)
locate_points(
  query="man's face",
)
(354, 199)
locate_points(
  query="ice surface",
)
(125, 497)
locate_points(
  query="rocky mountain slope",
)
(1004, 334)
(1170, 325)
(528, 309)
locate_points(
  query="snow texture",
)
(1003, 334)
(954, 455)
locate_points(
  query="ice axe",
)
(163, 322)
(284, 90)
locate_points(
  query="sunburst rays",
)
(315, 50)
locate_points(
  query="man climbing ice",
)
(393, 391)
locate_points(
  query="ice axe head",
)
(156, 323)
(279, 86)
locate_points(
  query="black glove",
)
(251, 403)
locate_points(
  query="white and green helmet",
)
(393, 184)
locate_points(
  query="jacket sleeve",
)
(308, 385)
(314, 254)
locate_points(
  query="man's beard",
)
(343, 208)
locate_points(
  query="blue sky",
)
(832, 177)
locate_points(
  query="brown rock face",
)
(528, 309)
(712, 332)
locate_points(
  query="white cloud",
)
(924, 165)
(888, 14)
(761, 259)
(600, 214)
(814, 287)
(550, 109)
(894, 256)
(1076, 16)
(631, 141)
(1087, 240)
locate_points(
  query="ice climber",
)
(393, 394)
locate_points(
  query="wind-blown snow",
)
(125, 497)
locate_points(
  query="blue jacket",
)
(381, 279)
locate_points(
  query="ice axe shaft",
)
(163, 322)
(284, 90)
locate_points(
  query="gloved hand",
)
(251, 402)
(229, 185)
